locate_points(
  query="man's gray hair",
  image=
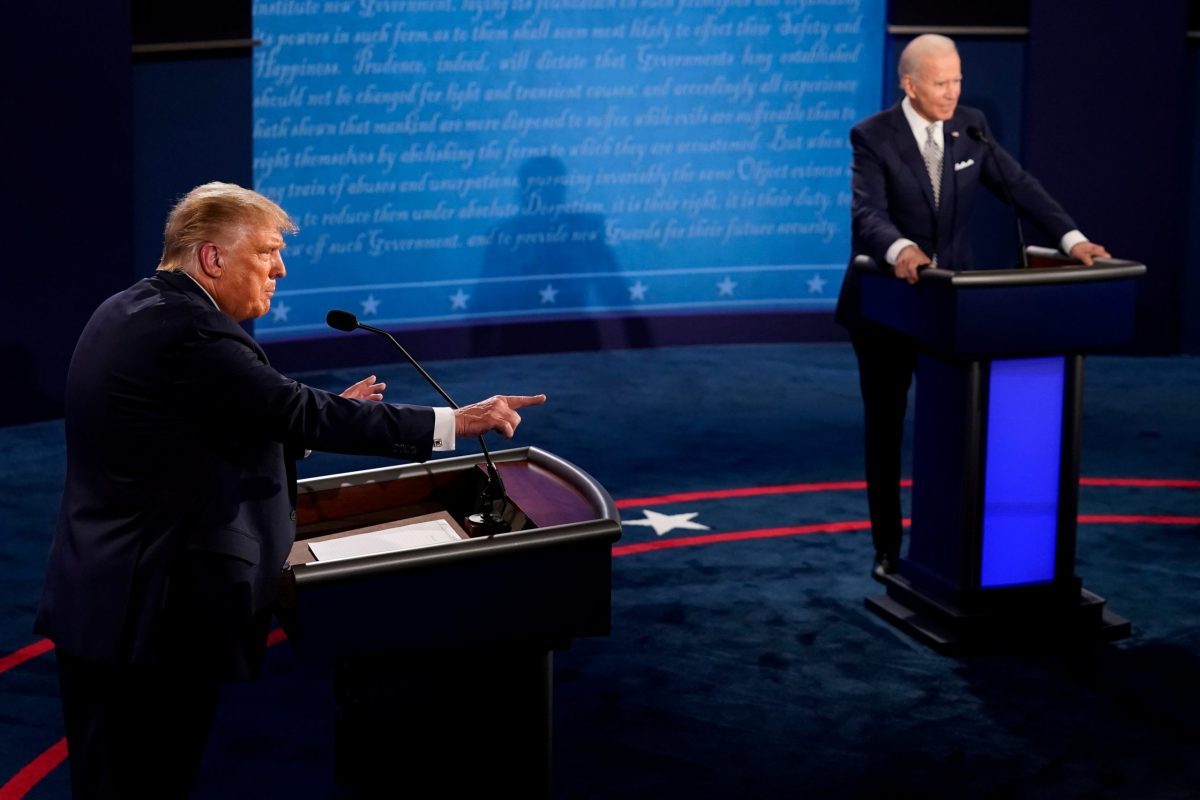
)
(914, 53)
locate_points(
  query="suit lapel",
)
(910, 153)
(949, 199)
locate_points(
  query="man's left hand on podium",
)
(1087, 252)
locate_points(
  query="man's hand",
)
(1087, 252)
(909, 261)
(366, 389)
(497, 413)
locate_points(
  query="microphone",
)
(488, 521)
(978, 135)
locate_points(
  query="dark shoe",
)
(885, 565)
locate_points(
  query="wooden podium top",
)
(549, 579)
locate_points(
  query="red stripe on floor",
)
(747, 491)
(25, 654)
(859, 525)
(33, 772)
(797, 488)
(1137, 519)
(761, 533)
(1151, 483)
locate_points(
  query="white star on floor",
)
(370, 305)
(459, 300)
(548, 294)
(816, 285)
(280, 311)
(638, 291)
(725, 288)
(664, 523)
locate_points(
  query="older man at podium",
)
(178, 510)
(917, 168)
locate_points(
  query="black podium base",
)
(1012, 627)
(471, 723)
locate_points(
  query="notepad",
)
(386, 540)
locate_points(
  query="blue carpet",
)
(748, 668)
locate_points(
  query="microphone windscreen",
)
(341, 320)
(976, 134)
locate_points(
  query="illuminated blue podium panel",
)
(999, 397)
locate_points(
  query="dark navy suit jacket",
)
(893, 197)
(177, 513)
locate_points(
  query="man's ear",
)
(210, 260)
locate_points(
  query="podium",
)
(441, 656)
(999, 397)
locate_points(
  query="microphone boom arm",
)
(978, 135)
(494, 491)
(494, 480)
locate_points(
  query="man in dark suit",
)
(916, 172)
(177, 513)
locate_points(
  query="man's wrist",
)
(443, 429)
(1070, 239)
(897, 247)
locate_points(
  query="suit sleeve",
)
(220, 382)
(874, 229)
(1028, 194)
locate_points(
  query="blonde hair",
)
(208, 210)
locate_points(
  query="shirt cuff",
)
(1070, 239)
(443, 429)
(893, 252)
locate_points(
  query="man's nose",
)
(279, 270)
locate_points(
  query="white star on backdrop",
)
(548, 294)
(638, 291)
(459, 300)
(280, 311)
(816, 285)
(370, 305)
(725, 288)
(664, 523)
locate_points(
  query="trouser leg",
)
(886, 362)
(134, 731)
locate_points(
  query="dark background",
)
(105, 130)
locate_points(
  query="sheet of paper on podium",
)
(386, 539)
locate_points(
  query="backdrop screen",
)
(457, 161)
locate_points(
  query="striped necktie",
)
(933, 163)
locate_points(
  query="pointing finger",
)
(523, 400)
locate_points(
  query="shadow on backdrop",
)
(552, 236)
